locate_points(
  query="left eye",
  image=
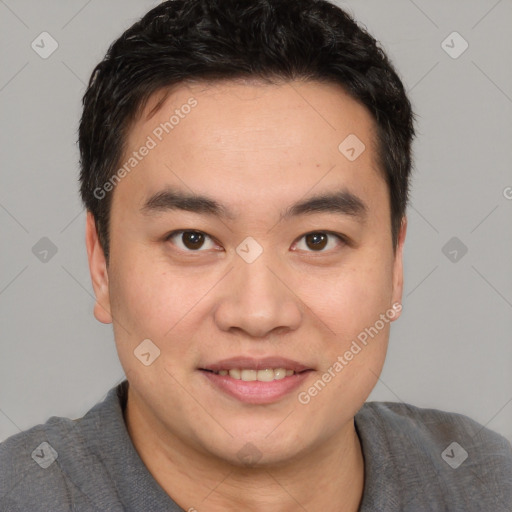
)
(318, 241)
(191, 240)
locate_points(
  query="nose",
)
(257, 300)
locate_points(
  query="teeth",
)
(280, 373)
(248, 375)
(266, 375)
(235, 374)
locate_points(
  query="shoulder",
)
(434, 425)
(28, 461)
(52, 466)
(450, 457)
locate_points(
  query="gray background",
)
(451, 348)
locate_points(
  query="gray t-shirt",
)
(415, 460)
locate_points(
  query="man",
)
(245, 170)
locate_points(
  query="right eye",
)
(191, 240)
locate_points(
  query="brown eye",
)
(316, 241)
(189, 241)
(320, 240)
(192, 239)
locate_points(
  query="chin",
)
(258, 451)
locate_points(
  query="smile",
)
(249, 375)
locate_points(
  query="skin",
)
(255, 148)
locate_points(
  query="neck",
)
(330, 477)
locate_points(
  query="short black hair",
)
(183, 41)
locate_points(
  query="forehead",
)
(255, 140)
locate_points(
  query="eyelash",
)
(341, 238)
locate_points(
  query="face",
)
(249, 239)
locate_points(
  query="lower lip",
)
(256, 392)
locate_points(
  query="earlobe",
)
(98, 271)
(398, 269)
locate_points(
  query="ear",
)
(398, 270)
(98, 271)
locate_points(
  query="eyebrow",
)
(342, 202)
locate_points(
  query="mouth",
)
(256, 381)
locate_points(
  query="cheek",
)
(139, 299)
(150, 299)
(341, 389)
(154, 312)
(149, 302)
(349, 300)
(350, 304)
(357, 310)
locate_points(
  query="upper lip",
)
(252, 363)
